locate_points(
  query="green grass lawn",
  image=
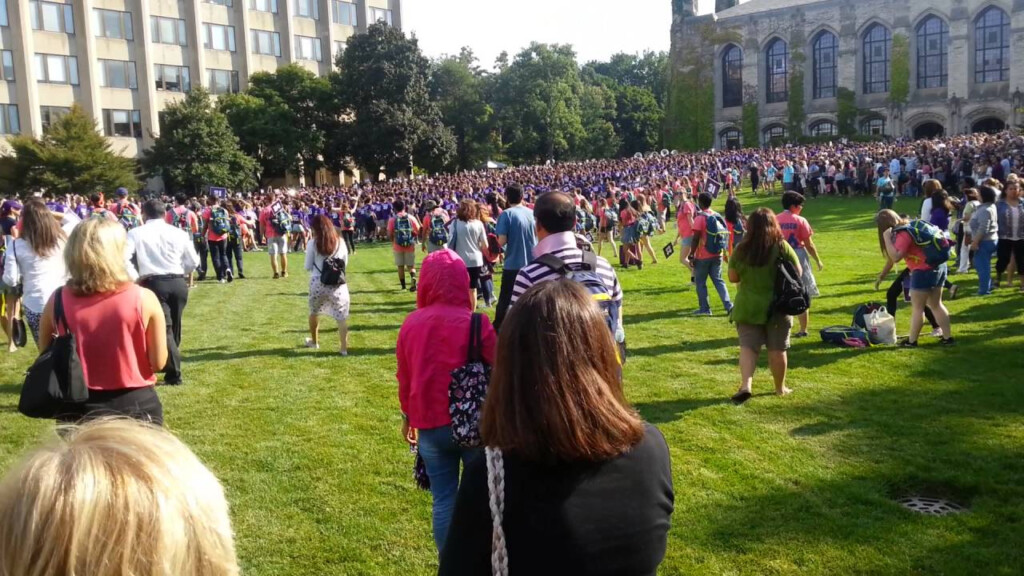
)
(308, 446)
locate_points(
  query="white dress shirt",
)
(40, 277)
(161, 249)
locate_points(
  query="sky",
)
(596, 28)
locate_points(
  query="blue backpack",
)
(937, 247)
(717, 233)
(438, 230)
(403, 232)
(845, 336)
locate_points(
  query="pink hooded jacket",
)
(434, 340)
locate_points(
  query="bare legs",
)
(13, 305)
(777, 360)
(314, 334)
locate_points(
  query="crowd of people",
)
(564, 476)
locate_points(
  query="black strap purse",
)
(333, 272)
(56, 378)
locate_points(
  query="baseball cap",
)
(122, 192)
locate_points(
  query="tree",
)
(197, 148)
(649, 71)
(638, 120)
(457, 86)
(597, 104)
(899, 91)
(71, 157)
(388, 119)
(263, 132)
(796, 116)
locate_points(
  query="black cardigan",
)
(583, 519)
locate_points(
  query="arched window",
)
(932, 51)
(873, 127)
(732, 77)
(825, 48)
(775, 134)
(730, 139)
(824, 128)
(776, 73)
(992, 46)
(877, 46)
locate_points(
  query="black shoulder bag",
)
(333, 272)
(56, 378)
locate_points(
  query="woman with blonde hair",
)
(114, 497)
(118, 326)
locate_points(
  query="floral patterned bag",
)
(468, 389)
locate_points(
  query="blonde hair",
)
(114, 497)
(95, 257)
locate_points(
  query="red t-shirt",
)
(627, 218)
(208, 218)
(414, 225)
(700, 226)
(912, 253)
(795, 229)
(683, 219)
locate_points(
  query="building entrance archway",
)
(929, 130)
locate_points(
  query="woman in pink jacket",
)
(434, 341)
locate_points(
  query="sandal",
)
(740, 398)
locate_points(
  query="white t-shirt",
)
(926, 210)
(40, 277)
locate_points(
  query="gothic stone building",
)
(966, 62)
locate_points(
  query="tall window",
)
(873, 127)
(775, 134)
(172, 78)
(51, 114)
(8, 65)
(52, 16)
(343, 13)
(380, 15)
(932, 51)
(992, 46)
(824, 128)
(112, 24)
(168, 30)
(825, 49)
(56, 69)
(264, 5)
(3, 13)
(307, 48)
(307, 9)
(777, 57)
(220, 2)
(123, 123)
(218, 37)
(9, 121)
(732, 77)
(117, 74)
(266, 43)
(223, 81)
(729, 139)
(877, 48)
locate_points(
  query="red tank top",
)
(111, 338)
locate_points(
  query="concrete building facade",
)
(966, 64)
(123, 61)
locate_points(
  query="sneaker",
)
(908, 344)
(413, 287)
(284, 274)
(221, 281)
(800, 335)
(343, 352)
(937, 333)
(241, 276)
(949, 341)
(953, 289)
(276, 275)
(701, 313)
(311, 344)
(230, 275)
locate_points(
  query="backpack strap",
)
(475, 339)
(59, 319)
(553, 262)
(589, 261)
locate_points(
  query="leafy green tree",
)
(638, 120)
(796, 116)
(597, 105)
(899, 91)
(648, 71)
(383, 96)
(457, 85)
(71, 157)
(847, 112)
(197, 148)
(263, 131)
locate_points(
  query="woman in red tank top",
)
(118, 326)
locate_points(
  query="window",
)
(732, 77)
(117, 74)
(123, 123)
(873, 127)
(168, 30)
(777, 73)
(824, 62)
(339, 48)
(172, 78)
(112, 24)
(219, 2)
(343, 13)
(307, 48)
(3, 13)
(775, 134)
(877, 46)
(51, 17)
(218, 37)
(307, 9)
(266, 43)
(380, 15)
(51, 114)
(9, 121)
(8, 65)
(932, 50)
(264, 5)
(992, 46)
(223, 81)
(824, 128)
(56, 69)
(729, 139)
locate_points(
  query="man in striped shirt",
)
(555, 215)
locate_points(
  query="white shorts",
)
(277, 245)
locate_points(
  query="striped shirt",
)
(573, 257)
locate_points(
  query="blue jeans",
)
(442, 456)
(712, 267)
(886, 201)
(983, 265)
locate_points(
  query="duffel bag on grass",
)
(845, 336)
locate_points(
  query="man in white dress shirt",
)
(166, 256)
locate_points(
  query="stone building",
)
(965, 60)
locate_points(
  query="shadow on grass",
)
(14, 389)
(678, 348)
(671, 410)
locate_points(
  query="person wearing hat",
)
(435, 228)
(125, 210)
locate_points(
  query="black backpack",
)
(791, 297)
(333, 272)
(56, 377)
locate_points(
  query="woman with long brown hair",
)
(326, 300)
(753, 268)
(35, 260)
(469, 241)
(574, 481)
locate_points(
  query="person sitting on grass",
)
(112, 498)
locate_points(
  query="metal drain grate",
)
(931, 506)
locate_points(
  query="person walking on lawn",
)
(403, 229)
(708, 242)
(798, 232)
(517, 235)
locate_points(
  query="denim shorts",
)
(928, 280)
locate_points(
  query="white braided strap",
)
(496, 498)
